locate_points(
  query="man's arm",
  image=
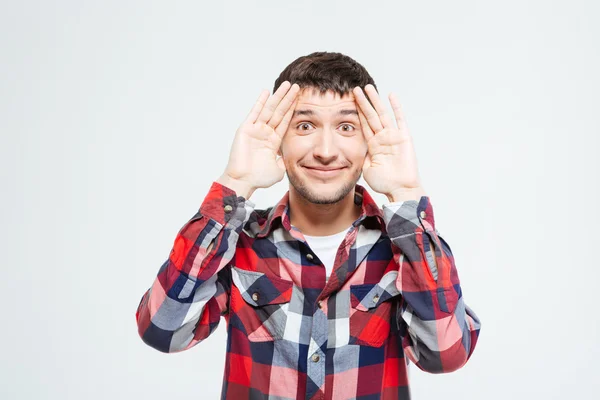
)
(191, 291)
(439, 330)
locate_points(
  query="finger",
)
(364, 126)
(282, 128)
(399, 114)
(368, 110)
(271, 104)
(284, 106)
(384, 116)
(260, 102)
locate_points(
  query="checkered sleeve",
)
(439, 330)
(191, 290)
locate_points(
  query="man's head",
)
(324, 148)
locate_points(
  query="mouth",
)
(324, 173)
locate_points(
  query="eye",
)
(301, 124)
(350, 126)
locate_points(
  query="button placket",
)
(315, 368)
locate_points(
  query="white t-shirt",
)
(326, 247)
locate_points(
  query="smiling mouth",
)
(322, 172)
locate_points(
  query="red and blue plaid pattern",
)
(394, 295)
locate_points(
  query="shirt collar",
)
(280, 213)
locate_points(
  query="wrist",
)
(404, 194)
(240, 188)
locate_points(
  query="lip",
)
(324, 173)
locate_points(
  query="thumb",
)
(281, 164)
(367, 162)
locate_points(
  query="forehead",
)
(312, 98)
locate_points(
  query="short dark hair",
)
(325, 71)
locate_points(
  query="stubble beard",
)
(311, 196)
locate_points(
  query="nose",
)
(325, 148)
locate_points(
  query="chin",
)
(318, 191)
(322, 192)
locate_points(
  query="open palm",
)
(253, 156)
(390, 166)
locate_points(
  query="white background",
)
(116, 116)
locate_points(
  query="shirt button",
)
(319, 304)
(315, 357)
(375, 298)
(423, 214)
(255, 296)
(228, 208)
(309, 257)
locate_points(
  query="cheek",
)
(355, 150)
(296, 147)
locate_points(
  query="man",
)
(326, 296)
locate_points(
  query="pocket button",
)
(255, 296)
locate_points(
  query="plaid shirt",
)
(394, 295)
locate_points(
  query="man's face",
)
(324, 148)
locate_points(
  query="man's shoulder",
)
(261, 215)
(257, 221)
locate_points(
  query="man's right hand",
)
(253, 161)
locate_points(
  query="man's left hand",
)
(390, 166)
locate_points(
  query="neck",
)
(322, 219)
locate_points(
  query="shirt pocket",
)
(260, 302)
(371, 312)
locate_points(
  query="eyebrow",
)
(311, 113)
